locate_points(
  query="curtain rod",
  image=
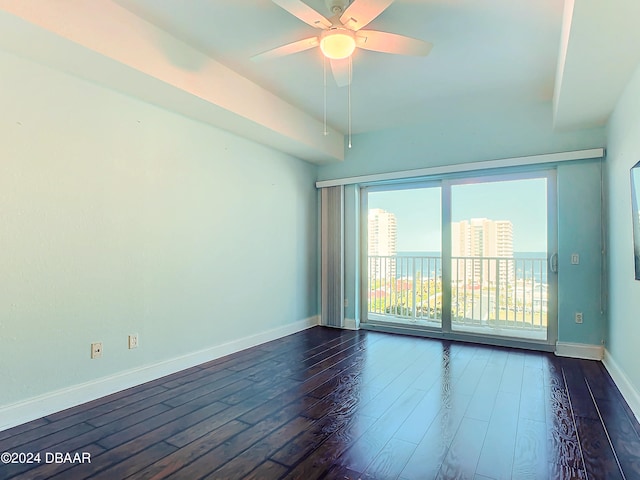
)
(468, 167)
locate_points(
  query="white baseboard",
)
(351, 324)
(579, 350)
(630, 394)
(42, 405)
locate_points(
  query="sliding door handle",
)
(553, 262)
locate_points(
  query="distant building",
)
(382, 238)
(482, 237)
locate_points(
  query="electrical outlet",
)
(578, 317)
(133, 341)
(96, 350)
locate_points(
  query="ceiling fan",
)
(343, 32)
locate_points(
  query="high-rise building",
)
(482, 237)
(382, 237)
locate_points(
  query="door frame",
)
(445, 183)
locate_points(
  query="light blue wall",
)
(490, 134)
(483, 133)
(580, 231)
(623, 329)
(118, 217)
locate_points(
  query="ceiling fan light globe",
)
(337, 43)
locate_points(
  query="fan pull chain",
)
(350, 79)
(324, 73)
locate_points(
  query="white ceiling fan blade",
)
(304, 12)
(288, 49)
(341, 71)
(392, 43)
(361, 12)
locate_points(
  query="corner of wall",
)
(630, 394)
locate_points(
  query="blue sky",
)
(418, 211)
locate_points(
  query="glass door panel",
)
(499, 250)
(404, 255)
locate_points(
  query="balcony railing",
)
(489, 292)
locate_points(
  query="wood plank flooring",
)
(336, 404)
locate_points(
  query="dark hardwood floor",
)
(336, 404)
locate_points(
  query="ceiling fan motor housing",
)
(336, 7)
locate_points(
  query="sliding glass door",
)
(404, 260)
(499, 257)
(465, 257)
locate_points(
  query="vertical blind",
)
(332, 254)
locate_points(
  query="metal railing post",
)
(414, 285)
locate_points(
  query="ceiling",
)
(470, 54)
(194, 57)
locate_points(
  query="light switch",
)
(575, 259)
